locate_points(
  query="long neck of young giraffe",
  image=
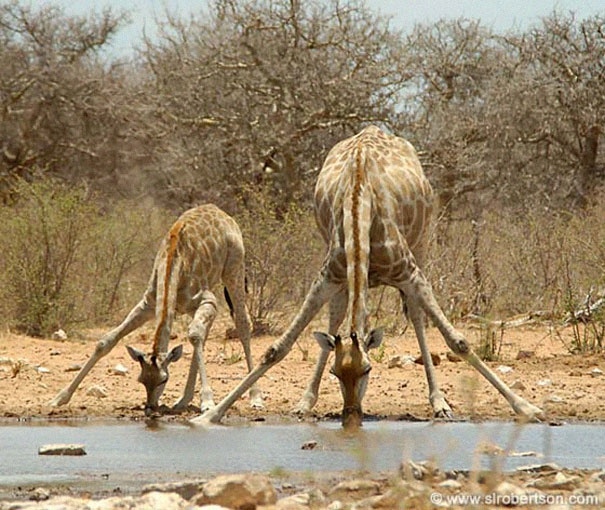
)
(166, 290)
(357, 208)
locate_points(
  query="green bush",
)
(67, 261)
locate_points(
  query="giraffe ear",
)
(135, 354)
(326, 342)
(175, 354)
(374, 338)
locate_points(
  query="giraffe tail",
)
(357, 211)
(167, 288)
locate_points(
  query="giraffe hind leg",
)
(235, 294)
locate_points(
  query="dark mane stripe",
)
(358, 178)
(171, 250)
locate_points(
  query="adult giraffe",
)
(202, 248)
(373, 207)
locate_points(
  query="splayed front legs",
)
(139, 315)
(320, 292)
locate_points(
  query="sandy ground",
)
(567, 387)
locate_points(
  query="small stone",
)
(97, 391)
(42, 370)
(186, 489)
(450, 484)
(59, 335)
(555, 399)
(62, 449)
(237, 491)
(454, 358)
(525, 355)
(74, 368)
(309, 445)
(40, 494)
(356, 488)
(518, 385)
(596, 372)
(435, 358)
(544, 382)
(525, 454)
(504, 369)
(539, 468)
(394, 361)
(119, 369)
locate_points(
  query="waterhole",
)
(136, 453)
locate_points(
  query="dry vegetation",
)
(239, 107)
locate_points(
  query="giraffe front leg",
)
(198, 333)
(338, 309)
(320, 292)
(138, 316)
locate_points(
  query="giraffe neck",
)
(167, 297)
(357, 241)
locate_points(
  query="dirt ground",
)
(568, 387)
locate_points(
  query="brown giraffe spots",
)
(381, 222)
(202, 249)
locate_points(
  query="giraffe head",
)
(352, 367)
(154, 373)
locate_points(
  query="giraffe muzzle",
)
(352, 416)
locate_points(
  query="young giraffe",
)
(201, 249)
(372, 205)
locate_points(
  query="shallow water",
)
(118, 450)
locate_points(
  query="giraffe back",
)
(200, 246)
(399, 194)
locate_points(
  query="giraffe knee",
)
(273, 355)
(459, 345)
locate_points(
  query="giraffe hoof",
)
(444, 414)
(207, 406)
(529, 412)
(59, 400)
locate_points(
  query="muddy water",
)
(137, 453)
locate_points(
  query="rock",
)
(418, 470)
(59, 335)
(560, 482)
(74, 368)
(504, 369)
(240, 492)
(435, 358)
(119, 369)
(598, 477)
(555, 399)
(525, 355)
(42, 370)
(97, 391)
(518, 385)
(525, 454)
(544, 382)
(509, 494)
(596, 372)
(454, 358)
(539, 468)
(40, 494)
(309, 445)
(355, 489)
(62, 449)
(450, 484)
(186, 489)
(394, 361)
(299, 501)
